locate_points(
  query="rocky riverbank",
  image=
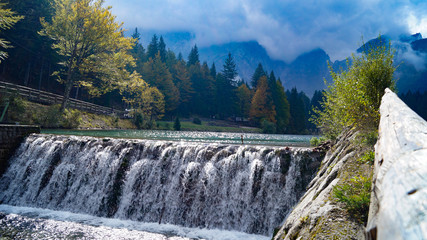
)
(319, 214)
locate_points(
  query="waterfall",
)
(215, 186)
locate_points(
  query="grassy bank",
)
(21, 111)
(25, 112)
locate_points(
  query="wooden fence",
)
(35, 95)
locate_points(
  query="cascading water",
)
(243, 188)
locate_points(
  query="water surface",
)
(193, 136)
(38, 223)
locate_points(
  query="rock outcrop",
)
(318, 215)
(397, 208)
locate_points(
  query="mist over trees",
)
(120, 72)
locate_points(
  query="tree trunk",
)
(41, 74)
(27, 74)
(77, 92)
(48, 76)
(68, 86)
(4, 68)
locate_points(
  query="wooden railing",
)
(35, 95)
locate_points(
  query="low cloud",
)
(406, 54)
(285, 28)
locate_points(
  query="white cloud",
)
(417, 24)
(285, 28)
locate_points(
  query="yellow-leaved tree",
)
(8, 18)
(94, 52)
(262, 107)
(147, 102)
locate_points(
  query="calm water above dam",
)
(192, 136)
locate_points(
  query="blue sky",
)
(286, 28)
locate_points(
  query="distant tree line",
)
(417, 101)
(194, 88)
(119, 72)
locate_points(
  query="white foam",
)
(121, 229)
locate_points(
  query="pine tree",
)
(156, 74)
(136, 35)
(193, 57)
(153, 47)
(272, 85)
(282, 107)
(170, 60)
(280, 102)
(182, 81)
(229, 71)
(315, 103)
(162, 49)
(259, 72)
(213, 71)
(225, 88)
(177, 124)
(202, 83)
(138, 51)
(297, 122)
(262, 107)
(272, 78)
(244, 96)
(208, 91)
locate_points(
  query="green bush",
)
(370, 138)
(138, 120)
(368, 157)
(17, 109)
(197, 121)
(177, 124)
(116, 121)
(142, 121)
(314, 141)
(71, 118)
(354, 97)
(50, 117)
(268, 127)
(356, 196)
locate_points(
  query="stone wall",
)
(10, 138)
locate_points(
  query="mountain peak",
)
(410, 38)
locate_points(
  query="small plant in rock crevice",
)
(368, 157)
(314, 141)
(356, 195)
